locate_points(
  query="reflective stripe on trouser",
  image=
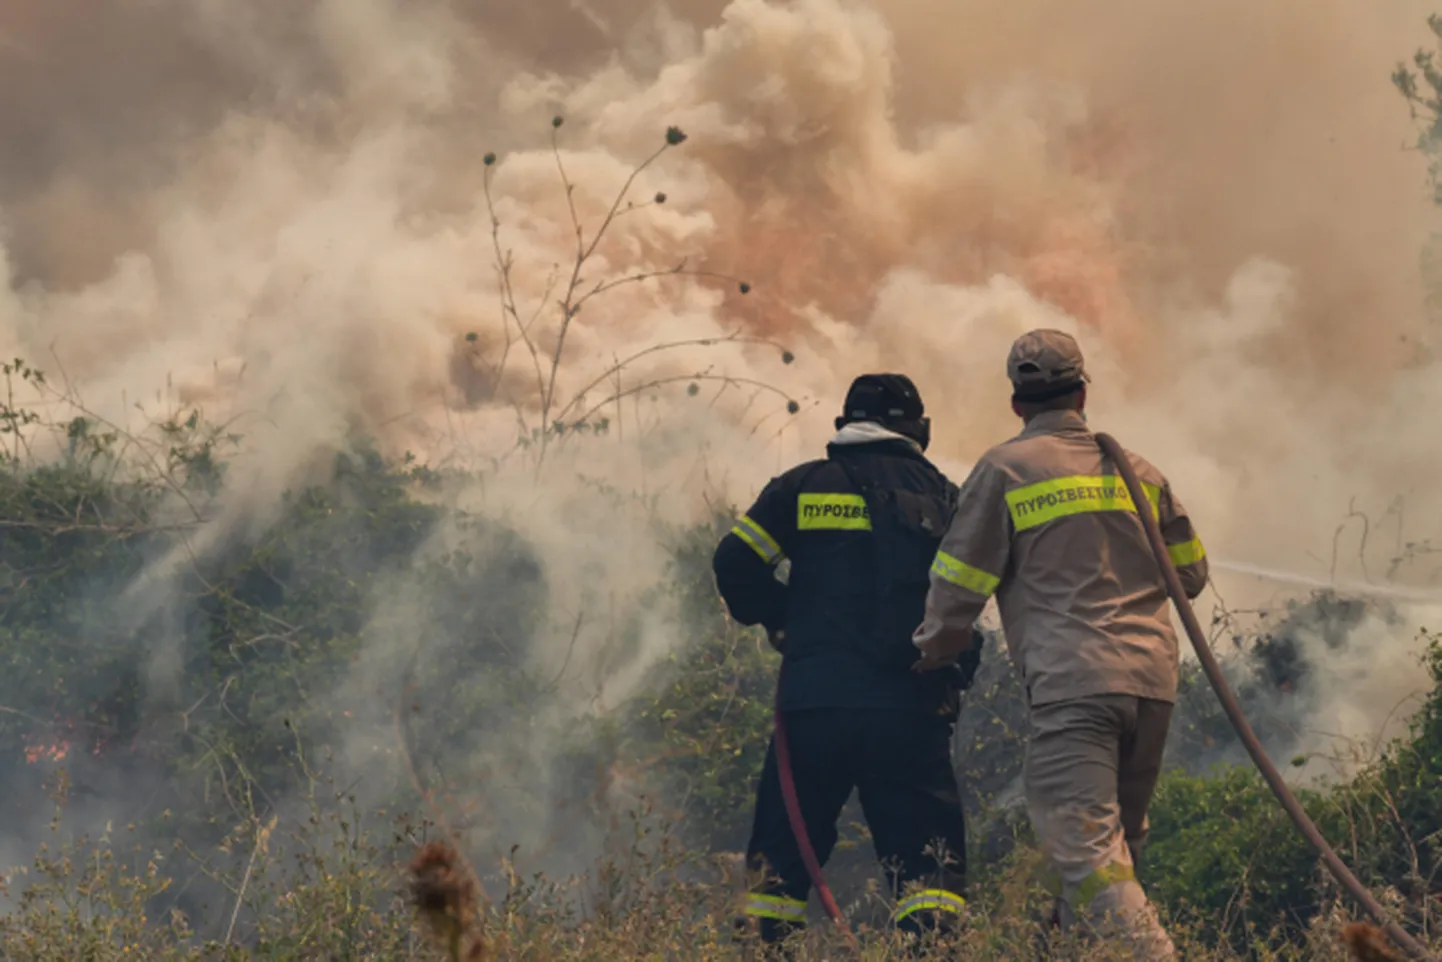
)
(777, 907)
(1091, 766)
(929, 900)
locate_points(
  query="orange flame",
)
(53, 752)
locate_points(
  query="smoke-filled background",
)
(277, 211)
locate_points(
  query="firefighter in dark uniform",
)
(833, 561)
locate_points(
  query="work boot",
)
(1122, 911)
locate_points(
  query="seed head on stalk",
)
(445, 897)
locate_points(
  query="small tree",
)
(1421, 86)
(553, 415)
(1422, 89)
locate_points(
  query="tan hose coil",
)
(1304, 824)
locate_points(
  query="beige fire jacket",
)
(1045, 523)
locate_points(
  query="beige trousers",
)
(1091, 767)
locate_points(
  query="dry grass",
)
(416, 900)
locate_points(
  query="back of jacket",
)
(854, 536)
(1046, 524)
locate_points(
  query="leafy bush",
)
(1223, 850)
(281, 616)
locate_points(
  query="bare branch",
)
(569, 306)
(402, 732)
(678, 271)
(735, 337)
(508, 295)
(659, 382)
(1352, 512)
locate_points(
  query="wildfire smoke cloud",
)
(277, 211)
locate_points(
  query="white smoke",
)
(301, 245)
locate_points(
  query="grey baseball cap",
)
(1044, 364)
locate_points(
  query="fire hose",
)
(798, 824)
(1213, 671)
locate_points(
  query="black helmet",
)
(891, 400)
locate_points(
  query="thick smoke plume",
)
(277, 211)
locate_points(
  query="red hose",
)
(1264, 764)
(798, 825)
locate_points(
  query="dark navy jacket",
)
(858, 531)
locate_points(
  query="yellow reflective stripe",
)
(964, 575)
(1098, 881)
(832, 512)
(759, 539)
(775, 907)
(930, 900)
(1154, 495)
(1036, 504)
(1187, 553)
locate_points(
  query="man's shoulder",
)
(990, 475)
(795, 477)
(1013, 457)
(912, 470)
(805, 467)
(1147, 472)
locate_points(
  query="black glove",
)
(969, 661)
(959, 675)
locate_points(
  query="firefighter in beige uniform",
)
(1044, 523)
